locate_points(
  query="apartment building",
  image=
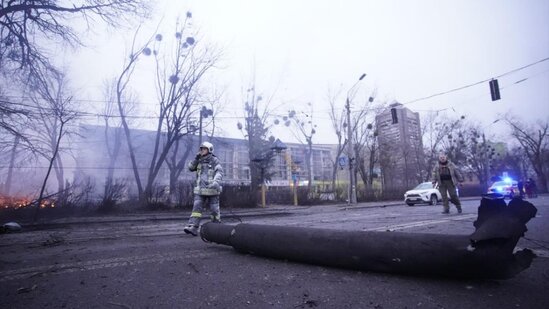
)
(400, 145)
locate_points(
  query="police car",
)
(507, 188)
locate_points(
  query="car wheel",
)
(434, 200)
(410, 204)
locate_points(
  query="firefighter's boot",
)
(191, 229)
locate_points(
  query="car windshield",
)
(423, 186)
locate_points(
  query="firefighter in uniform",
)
(209, 174)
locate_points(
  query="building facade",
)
(94, 162)
(400, 146)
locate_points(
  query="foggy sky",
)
(297, 50)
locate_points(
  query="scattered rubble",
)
(10, 227)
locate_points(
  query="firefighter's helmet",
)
(208, 146)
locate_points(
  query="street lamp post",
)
(350, 150)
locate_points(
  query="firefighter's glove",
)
(214, 185)
(198, 155)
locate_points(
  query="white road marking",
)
(403, 226)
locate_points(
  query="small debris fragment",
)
(10, 227)
(26, 290)
(193, 267)
(54, 240)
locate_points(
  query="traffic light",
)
(394, 115)
(494, 90)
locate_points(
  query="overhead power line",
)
(476, 83)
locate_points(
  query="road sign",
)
(342, 161)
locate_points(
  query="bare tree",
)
(53, 106)
(11, 113)
(176, 162)
(304, 129)
(337, 117)
(365, 144)
(10, 135)
(175, 159)
(435, 128)
(535, 142)
(179, 72)
(14, 110)
(469, 147)
(122, 87)
(26, 27)
(255, 130)
(113, 132)
(29, 29)
(16, 117)
(9, 178)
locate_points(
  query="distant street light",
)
(350, 150)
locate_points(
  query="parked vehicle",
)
(424, 193)
(506, 188)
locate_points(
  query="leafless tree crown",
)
(26, 26)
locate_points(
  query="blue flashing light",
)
(507, 179)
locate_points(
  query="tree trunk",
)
(334, 177)
(7, 187)
(371, 166)
(50, 166)
(59, 174)
(308, 158)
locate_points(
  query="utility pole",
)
(200, 129)
(486, 163)
(352, 184)
(350, 148)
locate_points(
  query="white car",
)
(424, 193)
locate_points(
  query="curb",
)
(282, 210)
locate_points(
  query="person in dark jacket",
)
(520, 185)
(209, 174)
(448, 176)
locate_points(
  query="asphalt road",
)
(147, 261)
